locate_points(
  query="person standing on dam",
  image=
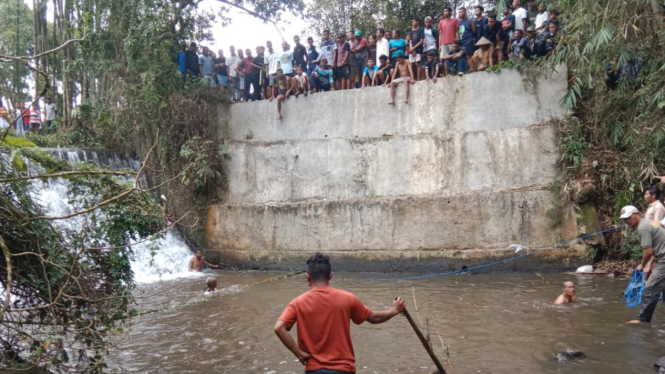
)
(323, 315)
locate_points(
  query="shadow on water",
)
(492, 323)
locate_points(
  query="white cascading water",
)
(171, 259)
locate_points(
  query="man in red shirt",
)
(323, 314)
(448, 30)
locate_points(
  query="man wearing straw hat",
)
(482, 57)
(652, 238)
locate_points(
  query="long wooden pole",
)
(424, 341)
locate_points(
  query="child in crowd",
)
(299, 83)
(384, 70)
(431, 68)
(282, 88)
(403, 73)
(368, 74)
(35, 120)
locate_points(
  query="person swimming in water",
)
(211, 284)
(197, 262)
(568, 295)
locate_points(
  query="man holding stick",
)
(323, 315)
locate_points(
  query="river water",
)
(492, 324)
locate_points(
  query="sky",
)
(246, 31)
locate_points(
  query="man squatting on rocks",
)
(652, 239)
(323, 315)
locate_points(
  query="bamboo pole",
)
(428, 348)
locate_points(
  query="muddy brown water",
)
(492, 324)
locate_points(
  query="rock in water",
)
(569, 355)
(660, 365)
(585, 269)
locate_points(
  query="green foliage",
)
(202, 166)
(630, 247)
(14, 76)
(71, 279)
(572, 148)
(622, 129)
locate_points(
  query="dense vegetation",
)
(615, 138)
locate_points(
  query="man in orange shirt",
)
(323, 314)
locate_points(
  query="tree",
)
(14, 75)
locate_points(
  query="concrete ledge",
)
(476, 102)
(405, 263)
(390, 165)
(388, 225)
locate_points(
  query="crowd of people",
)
(455, 46)
(29, 119)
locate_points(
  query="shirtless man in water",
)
(403, 73)
(197, 262)
(568, 295)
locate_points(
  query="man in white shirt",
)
(49, 113)
(234, 81)
(520, 16)
(541, 18)
(382, 44)
(270, 59)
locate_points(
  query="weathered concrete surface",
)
(390, 166)
(460, 172)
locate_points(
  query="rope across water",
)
(559, 244)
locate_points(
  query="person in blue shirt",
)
(397, 46)
(368, 74)
(182, 67)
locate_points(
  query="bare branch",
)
(24, 58)
(252, 13)
(8, 290)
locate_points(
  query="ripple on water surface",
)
(492, 324)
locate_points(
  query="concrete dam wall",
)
(457, 175)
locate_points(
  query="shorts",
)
(343, 72)
(401, 80)
(469, 48)
(242, 83)
(445, 49)
(414, 58)
(356, 73)
(222, 80)
(281, 92)
(271, 79)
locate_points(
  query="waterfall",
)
(171, 259)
